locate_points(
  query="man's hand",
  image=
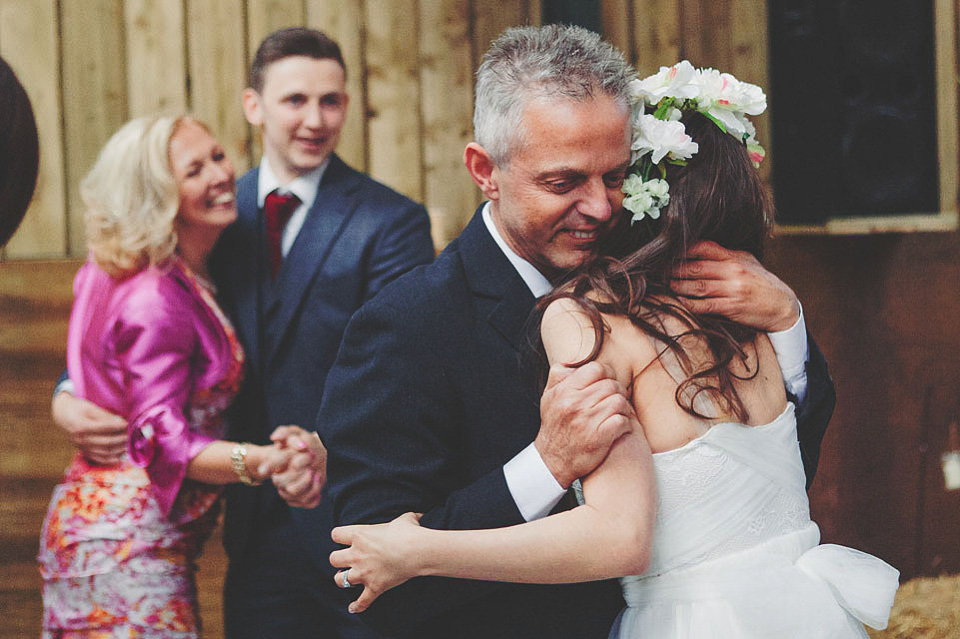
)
(582, 412)
(717, 281)
(300, 481)
(99, 435)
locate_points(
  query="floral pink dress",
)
(119, 543)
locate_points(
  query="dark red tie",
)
(277, 210)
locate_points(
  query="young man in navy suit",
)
(428, 408)
(290, 289)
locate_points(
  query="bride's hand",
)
(379, 557)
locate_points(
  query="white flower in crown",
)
(645, 198)
(728, 100)
(632, 184)
(676, 81)
(661, 138)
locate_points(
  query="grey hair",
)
(552, 61)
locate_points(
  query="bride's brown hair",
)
(717, 196)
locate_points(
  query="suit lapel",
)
(246, 263)
(331, 210)
(497, 287)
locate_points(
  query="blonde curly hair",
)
(131, 197)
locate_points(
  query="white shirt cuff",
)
(792, 353)
(66, 386)
(532, 485)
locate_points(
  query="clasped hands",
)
(296, 461)
(298, 467)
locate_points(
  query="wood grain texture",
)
(266, 16)
(156, 57)
(393, 92)
(948, 86)
(94, 95)
(656, 34)
(491, 17)
(616, 18)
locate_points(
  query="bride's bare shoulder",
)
(570, 335)
(568, 332)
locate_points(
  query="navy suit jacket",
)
(427, 401)
(358, 236)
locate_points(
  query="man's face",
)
(302, 109)
(561, 188)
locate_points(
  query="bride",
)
(704, 501)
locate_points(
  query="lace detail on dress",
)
(784, 512)
(685, 475)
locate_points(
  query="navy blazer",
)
(426, 402)
(358, 236)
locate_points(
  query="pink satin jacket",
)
(141, 347)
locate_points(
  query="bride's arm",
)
(609, 536)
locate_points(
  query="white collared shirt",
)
(304, 187)
(534, 279)
(532, 486)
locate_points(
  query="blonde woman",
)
(148, 342)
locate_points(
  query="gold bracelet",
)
(238, 458)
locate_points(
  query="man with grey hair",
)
(428, 407)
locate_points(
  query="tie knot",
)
(280, 205)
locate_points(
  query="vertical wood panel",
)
(948, 40)
(748, 41)
(656, 35)
(266, 16)
(343, 21)
(217, 73)
(394, 95)
(534, 12)
(28, 41)
(94, 94)
(446, 76)
(705, 31)
(616, 16)
(35, 299)
(491, 17)
(156, 69)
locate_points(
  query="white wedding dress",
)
(736, 555)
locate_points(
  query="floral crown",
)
(659, 137)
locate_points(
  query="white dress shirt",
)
(531, 484)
